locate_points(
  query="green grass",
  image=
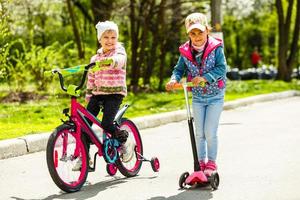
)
(43, 116)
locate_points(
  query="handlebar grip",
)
(177, 86)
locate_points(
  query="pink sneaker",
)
(202, 165)
(211, 166)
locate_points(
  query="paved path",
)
(259, 158)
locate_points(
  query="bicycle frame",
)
(79, 114)
(66, 148)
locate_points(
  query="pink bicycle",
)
(66, 145)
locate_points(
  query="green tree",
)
(246, 25)
(38, 60)
(75, 29)
(5, 35)
(288, 43)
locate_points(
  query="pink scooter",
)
(197, 177)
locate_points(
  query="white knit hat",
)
(105, 26)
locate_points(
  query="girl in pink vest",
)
(202, 60)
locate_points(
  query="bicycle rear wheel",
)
(64, 151)
(132, 167)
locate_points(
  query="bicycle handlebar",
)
(61, 78)
(72, 89)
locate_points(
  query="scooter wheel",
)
(182, 179)
(214, 180)
(155, 164)
(111, 169)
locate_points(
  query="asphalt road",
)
(259, 159)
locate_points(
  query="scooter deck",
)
(196, 177)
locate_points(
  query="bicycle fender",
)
(120, 114)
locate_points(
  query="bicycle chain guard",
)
(110, 152)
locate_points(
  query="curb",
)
(37, 142)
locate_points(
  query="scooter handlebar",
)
(178, 86)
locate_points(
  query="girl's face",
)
(108, 40)
(198, 37)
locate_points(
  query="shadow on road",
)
(193, 193)
(88, 190)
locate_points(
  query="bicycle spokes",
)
(129, 163)
(70, 160)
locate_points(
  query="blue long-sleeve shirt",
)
(214, 74)
(212, 68)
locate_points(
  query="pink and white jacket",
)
(111, 80)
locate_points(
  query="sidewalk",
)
(34, 143)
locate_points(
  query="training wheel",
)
(155, 164)
(214, 180)
(111, 169)
(182, 179)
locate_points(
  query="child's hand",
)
(197, 80)
(106, 62)
(170, 85)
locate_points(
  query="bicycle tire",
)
(62, 139)
(133, 167)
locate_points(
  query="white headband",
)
(105, 26)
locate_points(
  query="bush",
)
(38, 60)
(22, 66)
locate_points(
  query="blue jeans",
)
(206, 113)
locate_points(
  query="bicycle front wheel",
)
(131, 167)
(65, 152)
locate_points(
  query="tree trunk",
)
(43, 24)
(146, 14)
(102, 12)
(83, 10)
(294, 46)
(285, 61)
(134, 29)
(75, 30)
(237, 60)
(162, 41)
(216, 15)
(174, 38)
(151, 56)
